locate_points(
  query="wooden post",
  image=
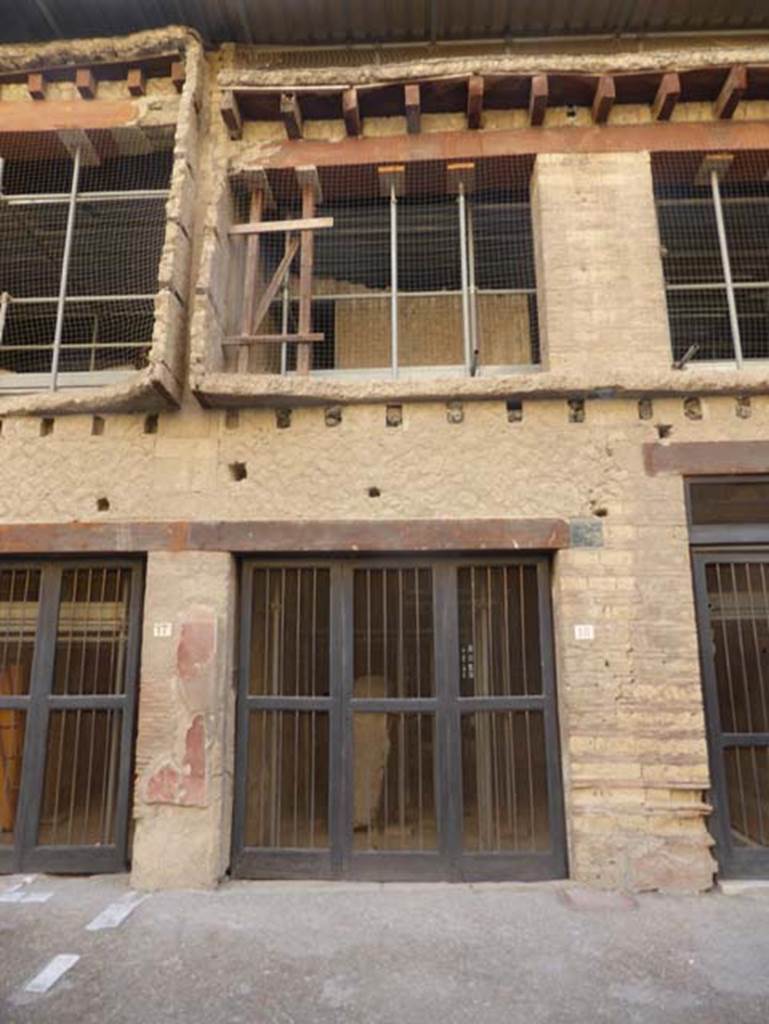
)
(230, 111)
(310, 186)
(251, 279)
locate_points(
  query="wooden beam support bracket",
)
(460, 174)
(291, 113)
(85, 83)
(605, 95)
(719, 162)
(351, 112)
(256, 180)
(73, 139)
(307, 175)
(538, 99)
(668, 95)
(230, 111)
(475, 102)
(413, 103)
(732, 92)
(392, 176)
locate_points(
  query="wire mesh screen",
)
(412, 276)
(713, 215)
(81, 244)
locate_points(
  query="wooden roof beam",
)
(605, 96)
(732, 92)
(668, 94)
(231, 115)
(413, 103)
(538, 99)
(291, 113)
(474, 102)
(351, 112)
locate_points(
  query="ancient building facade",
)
(465, 580)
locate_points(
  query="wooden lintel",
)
(351, 112)
(732, 92)
(271, 226)
(605, 95)
(475, 102)
(307, 177)
(36, 85)
(136, 81)
(538, 99)
(310, 338)
(281, 536)
(463, 145)
(55, 115)
(291, 113)
(413, 105)
(668, 94)
(178, 74)
(74, 140)
(705, 458)
(230, 111)
(85, 83)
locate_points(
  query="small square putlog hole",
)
(238, 471)
(514, 410)
(46, 426)
(576, 410)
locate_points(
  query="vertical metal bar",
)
(284, 316)
(70, 231)
(726, 263)
(472, 286)
(393, 280)
(2, 172)
(466, 335)
(4, 300)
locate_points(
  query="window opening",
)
(713, 216)
(82, 223)
(419, 267)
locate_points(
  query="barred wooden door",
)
(69, 649)
(397, 720)
(732, 590)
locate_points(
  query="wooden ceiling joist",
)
(230, 111)
(85, 83)
(36, 85)
(538, 99)
(351, 112)
(413, 104)
(668, 94)
(605, 96)
(474, 102)
(136, 82)
(732, 92)
(291, 113)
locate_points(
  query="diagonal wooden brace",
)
(272, 289)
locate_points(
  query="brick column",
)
(183, 794)
(600, 283)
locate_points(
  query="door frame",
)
(26, 854)
(733, 862)
(449, 862)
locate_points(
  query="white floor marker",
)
(51, 973)
(114, 915)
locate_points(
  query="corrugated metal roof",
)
(328, 22)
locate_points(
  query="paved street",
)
(88, 950)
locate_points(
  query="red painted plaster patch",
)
(185, 788)
(197, 643)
